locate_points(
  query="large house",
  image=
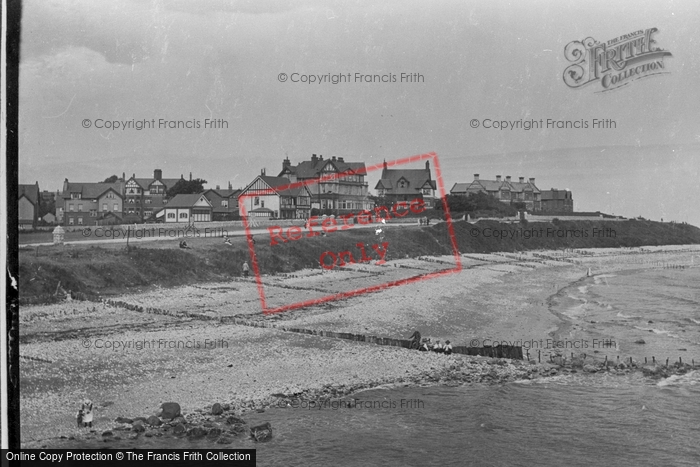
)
(407, 185)
(144, 197)
(92, 203)
(506, 191)
(270, 197)
(347, 193)
(557, 201)
(29, 203)
(188, 208)
(224, 203)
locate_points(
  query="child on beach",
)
(447, 349)
(79, 418)
(86, 410)
(246, 268)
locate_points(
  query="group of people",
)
(428, 346)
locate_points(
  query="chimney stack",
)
(286, 163)
(218, 187)
(123, 176)
(532, 180)
(340, 159)
(320, 157)
(262, 172)
(427, 165)
(314, 158)
(508, 178)
(333, 158)
(498, 178)
(190, 176)
(476, 176)
(229, 186)
(158, 174)
(522, 179)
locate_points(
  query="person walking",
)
(246, 268)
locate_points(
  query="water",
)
(573, 420)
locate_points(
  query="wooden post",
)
(630, 360)
(539, 360)
(666, 362)
(645, 360)
(653, 359)
(680, 360)
(128, 234)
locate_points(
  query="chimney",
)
(65, 185)
(229, 186)
(508, 178)
(314, 158)
(320, 157)
(498, 178)
(190, 176)
(340, 159)
(158, 174)
(218, 187)
(286, 163)
(262, 172)
(522, 179)
(333, 158)
(133, 175)
(123, 176)
(532, 180)
(182, 176)
(476, 176)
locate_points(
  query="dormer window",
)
(402, 184)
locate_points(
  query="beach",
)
(129, 362)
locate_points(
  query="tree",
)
(187, 187)
(112, 179)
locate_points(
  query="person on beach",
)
(427, 345)
(227, 240)
(438, 347)
(86, 409)
(246, 268)
(447, 348)
(79, 418)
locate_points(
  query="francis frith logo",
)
(615, 63)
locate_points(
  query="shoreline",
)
(492, 300)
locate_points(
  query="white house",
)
(271, 197)
(186, 208)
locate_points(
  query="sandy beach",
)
(130, 362)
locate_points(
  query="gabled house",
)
(407, 185)
(347, 193)
(224, 203)
(186, 209)
(143, 197)
(270, 197)
(29, 204)
(92, 203)
(506, 191)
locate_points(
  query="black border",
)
(12, 46)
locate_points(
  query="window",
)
(183, 215)
(116, 207)
(171, 215)
(148, 201)
(256, 201)
(131, 210)
(75, 196)
(80, 221)
(80, 208)
(262, 203)
(71, 208)
(70, 221)
(110, 195)
(426, 191)
(224, 203)
(402, 184)
(104, 206)
(93, 212)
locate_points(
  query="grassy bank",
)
(97, 270)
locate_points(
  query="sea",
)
(568, 420)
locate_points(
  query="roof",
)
(460, 188)
(312, 168)
(92, 190)
(31, 192)
(495, 185)
(276, 182)
(416, 178)
(144, 183)
(185, 201)
(224, 193)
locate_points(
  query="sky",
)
(189, 60)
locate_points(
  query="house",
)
(506, 191)
(29, 204)
(59, 203)
(49, 218)
(186, 208)
(347, 193)
(143, 197)
(557, 201)
(92, 203)
(270, 197)
(407, 185)
(224, 203)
